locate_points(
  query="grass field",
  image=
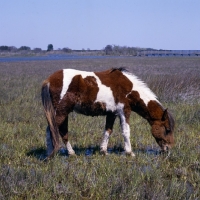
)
(24, 174)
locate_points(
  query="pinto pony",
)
(113, 93)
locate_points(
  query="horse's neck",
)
(152, 111)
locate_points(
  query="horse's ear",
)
(165, 118)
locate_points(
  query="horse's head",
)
(162, 131)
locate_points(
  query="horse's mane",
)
(171, 121)
(145, 93)
(121, 69)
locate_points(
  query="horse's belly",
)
(91, 109)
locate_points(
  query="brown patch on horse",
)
(94, 109)
(119, 84)
(138, 105)
(157, 113)
(85, 91)
(92, 89)
(77, 85)
(155, 110)
(56, 84)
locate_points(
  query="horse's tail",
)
(53, 137)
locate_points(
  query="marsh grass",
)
(24, 174)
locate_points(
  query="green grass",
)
(23, 174)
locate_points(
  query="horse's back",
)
(104, 90)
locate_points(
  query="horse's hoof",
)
(72, 153)
(103, 152)
(131, 154)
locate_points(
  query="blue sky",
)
(93, 24)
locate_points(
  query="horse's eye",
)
(168, 131)
(156, 128)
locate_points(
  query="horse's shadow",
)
(41, 152)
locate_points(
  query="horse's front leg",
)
(124, 122)
(63, 129)
(110, 119)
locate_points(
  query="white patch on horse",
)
(145, 93)
(104, 142)
(120, 107)
(68, 75)
(125, 129)
(104, 95)
(125, 132)
(70, 149)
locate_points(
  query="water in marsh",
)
(92, 150)
(52, 57)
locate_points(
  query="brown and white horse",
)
(114, 93)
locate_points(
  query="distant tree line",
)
(26, 48)
(7, 48)
(13, 48)
(108, 50)
(123, 50)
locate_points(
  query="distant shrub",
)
(4, 48)
(120, 50)
(8, 48)
(67, 50)
(108, 49)
(37, 49)
(24, 48)
(50, 47)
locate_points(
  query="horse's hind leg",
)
(63, 129)
(110, 119)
